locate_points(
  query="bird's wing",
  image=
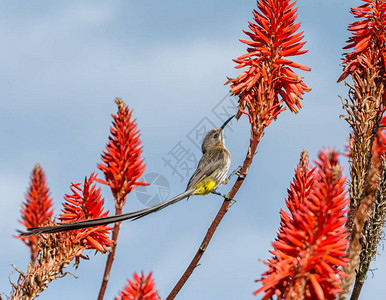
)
(209, 162)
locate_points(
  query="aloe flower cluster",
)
(122, 166)
(54, 252)
(367, 40)
(269, 80)
(84, 203)
(122, 163)
(312, 240)
(141, 288)
(37, 209)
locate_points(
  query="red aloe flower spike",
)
(141, 288)
(37, 209)
(122, 166)
(311, 242)
(122, 162)
(368, 38)
(86, 203)
(273, 37)
(300, 188)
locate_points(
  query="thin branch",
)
(110, 258)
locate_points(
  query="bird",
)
(211, 172)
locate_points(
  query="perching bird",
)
(211, 172)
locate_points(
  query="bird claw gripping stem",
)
(236, 172)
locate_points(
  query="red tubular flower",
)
(86, 203)
(273, 37)
(123, 164)
(312, 240)
(368, 39)
(37, 209)
(142, 288)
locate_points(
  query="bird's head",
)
(214, 137)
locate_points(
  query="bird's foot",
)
(217, 193)
(236, 172)
(233, 202)
(222, 195)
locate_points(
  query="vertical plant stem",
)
(221, 213)
(351, 218)
(364, 116)
(372, 232)
(359, 281)
(110, 258)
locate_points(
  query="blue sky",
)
(62, 65)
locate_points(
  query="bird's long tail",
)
(105, 220)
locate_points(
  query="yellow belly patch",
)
(204, 187)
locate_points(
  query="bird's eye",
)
(216, 135)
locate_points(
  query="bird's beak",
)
(226, 122)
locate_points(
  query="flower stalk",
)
(56, 251)
(371, 233)
(379, 148)
(366, 66)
